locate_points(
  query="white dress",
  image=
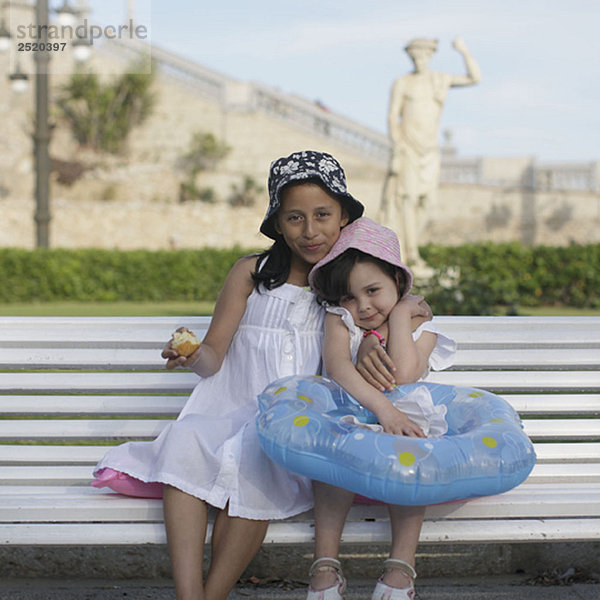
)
(418, 404)
(211, 451)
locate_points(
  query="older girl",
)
(266, 325)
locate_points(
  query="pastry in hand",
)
(184, 342)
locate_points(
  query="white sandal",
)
(336, 591)
(383, 591)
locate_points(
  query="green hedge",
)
(111, 275)
(469, 279)
(490, 275)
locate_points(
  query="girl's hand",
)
(424, 310)
(174, 359)
(397, 423)
(374, 364)
(414, 305)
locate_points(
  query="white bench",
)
(68, 383)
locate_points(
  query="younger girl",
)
(266, 325)
(364, 286)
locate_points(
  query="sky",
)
(539, 95)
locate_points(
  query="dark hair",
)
(273, 265)
(331, 280)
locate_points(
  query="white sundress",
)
(212, 451)
(417, 405)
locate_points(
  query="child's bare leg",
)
(234, 542)
(331, 509)
(185, 519)
(406, 524)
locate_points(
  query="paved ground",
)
(482, 588)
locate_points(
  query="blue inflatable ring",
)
(484, 452)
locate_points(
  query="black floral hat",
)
(308, 165)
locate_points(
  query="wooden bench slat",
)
(81, 428)
(537, 429)
(144, 405)
(184, 382)
(281, 532)
(94, 332)
(138, 358)
(464, 531)
(528, 381)
(40, 454)
(556, 404)
(562, 429)
(82, 474)
(92, 383)
(467, 331)
(460, 327)
(565, 452)
(527, 359)
(80, 491)
(81, 534)
(81, 358)
(547, 452)
(90, 505)
(83, 404)
(522, 332)
(69, 475)
(85, 490)
(566, 473)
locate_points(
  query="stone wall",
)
(471, 213)
(81, 218)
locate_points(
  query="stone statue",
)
(416, 105)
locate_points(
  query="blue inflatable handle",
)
(484, 452)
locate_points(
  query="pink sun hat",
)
(369, 237)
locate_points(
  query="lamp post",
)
(42, 130)
(41, 136)
(4, 36)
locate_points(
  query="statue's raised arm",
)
(473, 75)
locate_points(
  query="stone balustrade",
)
(582, 177)
(567, 176)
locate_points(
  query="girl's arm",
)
(410, 357)
(229, 309)
(339, 366)
(374, 363)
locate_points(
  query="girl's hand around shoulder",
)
(396, 422)
(418, 309)
(415, 306)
